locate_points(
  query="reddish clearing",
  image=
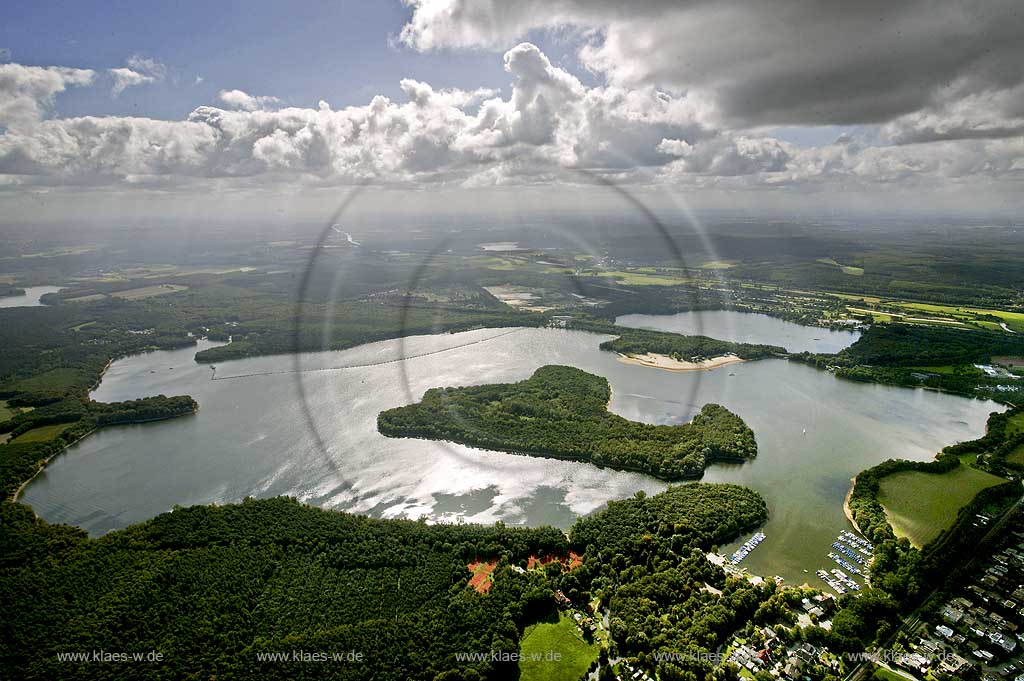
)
(571, 562)
(482, 574)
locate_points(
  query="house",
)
(953, 664)
(792, 668)
(914, 662)
(952, 615)
(943, 631)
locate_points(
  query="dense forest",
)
(644, 558)
(903, 345)
(911, 355)
(562, 412)
(214, 587)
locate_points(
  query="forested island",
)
(685, 348)
(562, 412)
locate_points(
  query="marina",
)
(747, 547)
(832, 582)
(843, 563)
(848, 552)
(847, 546)
(845, 579)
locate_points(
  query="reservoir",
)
(30, 298)
(251, 436)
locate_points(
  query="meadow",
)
(542, 640)
(42, 433)
(920, 505)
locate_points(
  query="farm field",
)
(1014, 320)
(43, 433)
(540, 641)
(148, 291)
(636, 278)
(920, 506)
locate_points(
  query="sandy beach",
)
(668, 364)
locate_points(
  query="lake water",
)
(30, 298)
(745, 328)
(251, 437)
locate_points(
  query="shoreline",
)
(666, 363)
(846, 506)
(46, 462)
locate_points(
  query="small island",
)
(675, 352)
(562, 412)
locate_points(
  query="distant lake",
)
(30, 298)
(814, 431)
(745, 327)
(501, 246)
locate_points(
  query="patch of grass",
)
(42, 433)
(1016, 457)
(949, 370)
(851, 270)
(718, 265)
(1014, 320)
(55, 380)
(920, 506)
(541, 642)
(632, 278)
(882, 674)
(148, 291)
(1015, 424)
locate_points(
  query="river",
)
(251, 437)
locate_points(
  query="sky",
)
(267, 108)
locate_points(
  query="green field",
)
(544, 641)
(1016, 457)
(1015, 424)
(639, 278)
(1014, 320)
(43, 433)
(921, 505)
(882, 674)
(5, 411)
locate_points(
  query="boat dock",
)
(748, 546)
(852, 554)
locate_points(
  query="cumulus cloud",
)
(789, 62)
(550, 119)
(139, 71)
(243, 100)
(548, 122)
(27, 91)
(125, 78)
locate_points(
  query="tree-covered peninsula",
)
(561, 412)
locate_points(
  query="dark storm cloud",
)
(781, 62)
